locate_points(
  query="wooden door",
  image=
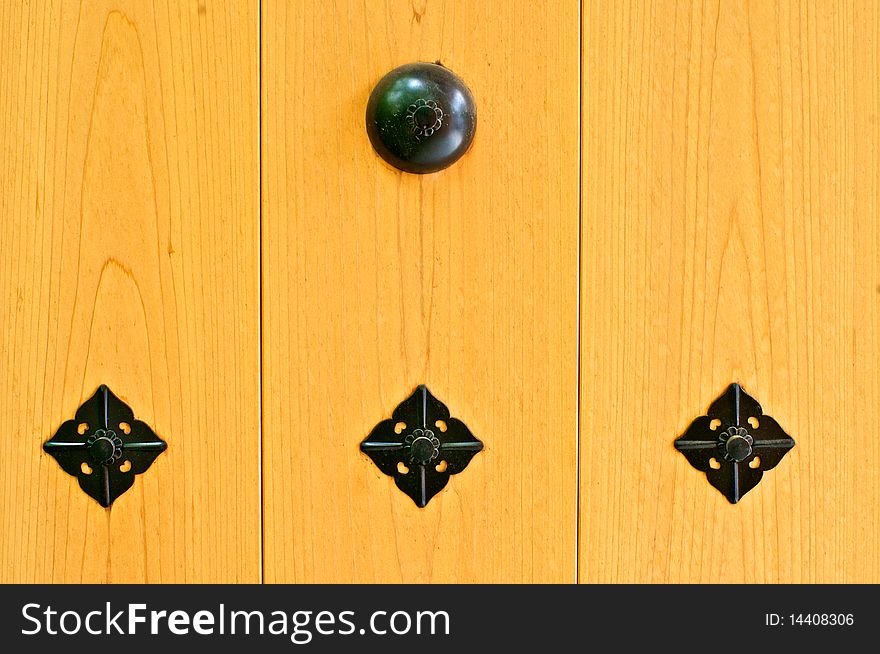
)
(376, 281)
(730, 234)
(662, 199)
(130, 240)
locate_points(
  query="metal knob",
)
(421, 118)
(737, 444)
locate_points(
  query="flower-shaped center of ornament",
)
(424, 117)
(422, 446)
(104, 447)
(736, 444)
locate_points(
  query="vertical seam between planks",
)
(580, 200)
(260, 266)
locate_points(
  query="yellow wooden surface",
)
(730, 187)
(375, 281)
(130, 237)
(730, 228)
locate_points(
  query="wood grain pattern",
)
(375, 281)
(130, 240)
(730, 199)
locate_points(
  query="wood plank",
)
(376, 281)
(130, 234)
(730, 197)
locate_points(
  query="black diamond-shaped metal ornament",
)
(421, 446)
(735, 443)
(104, 447)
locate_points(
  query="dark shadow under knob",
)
(421, 118)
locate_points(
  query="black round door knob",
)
(421, 118)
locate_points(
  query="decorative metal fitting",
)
(735, 443)
(91, 446)
(434, 446)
